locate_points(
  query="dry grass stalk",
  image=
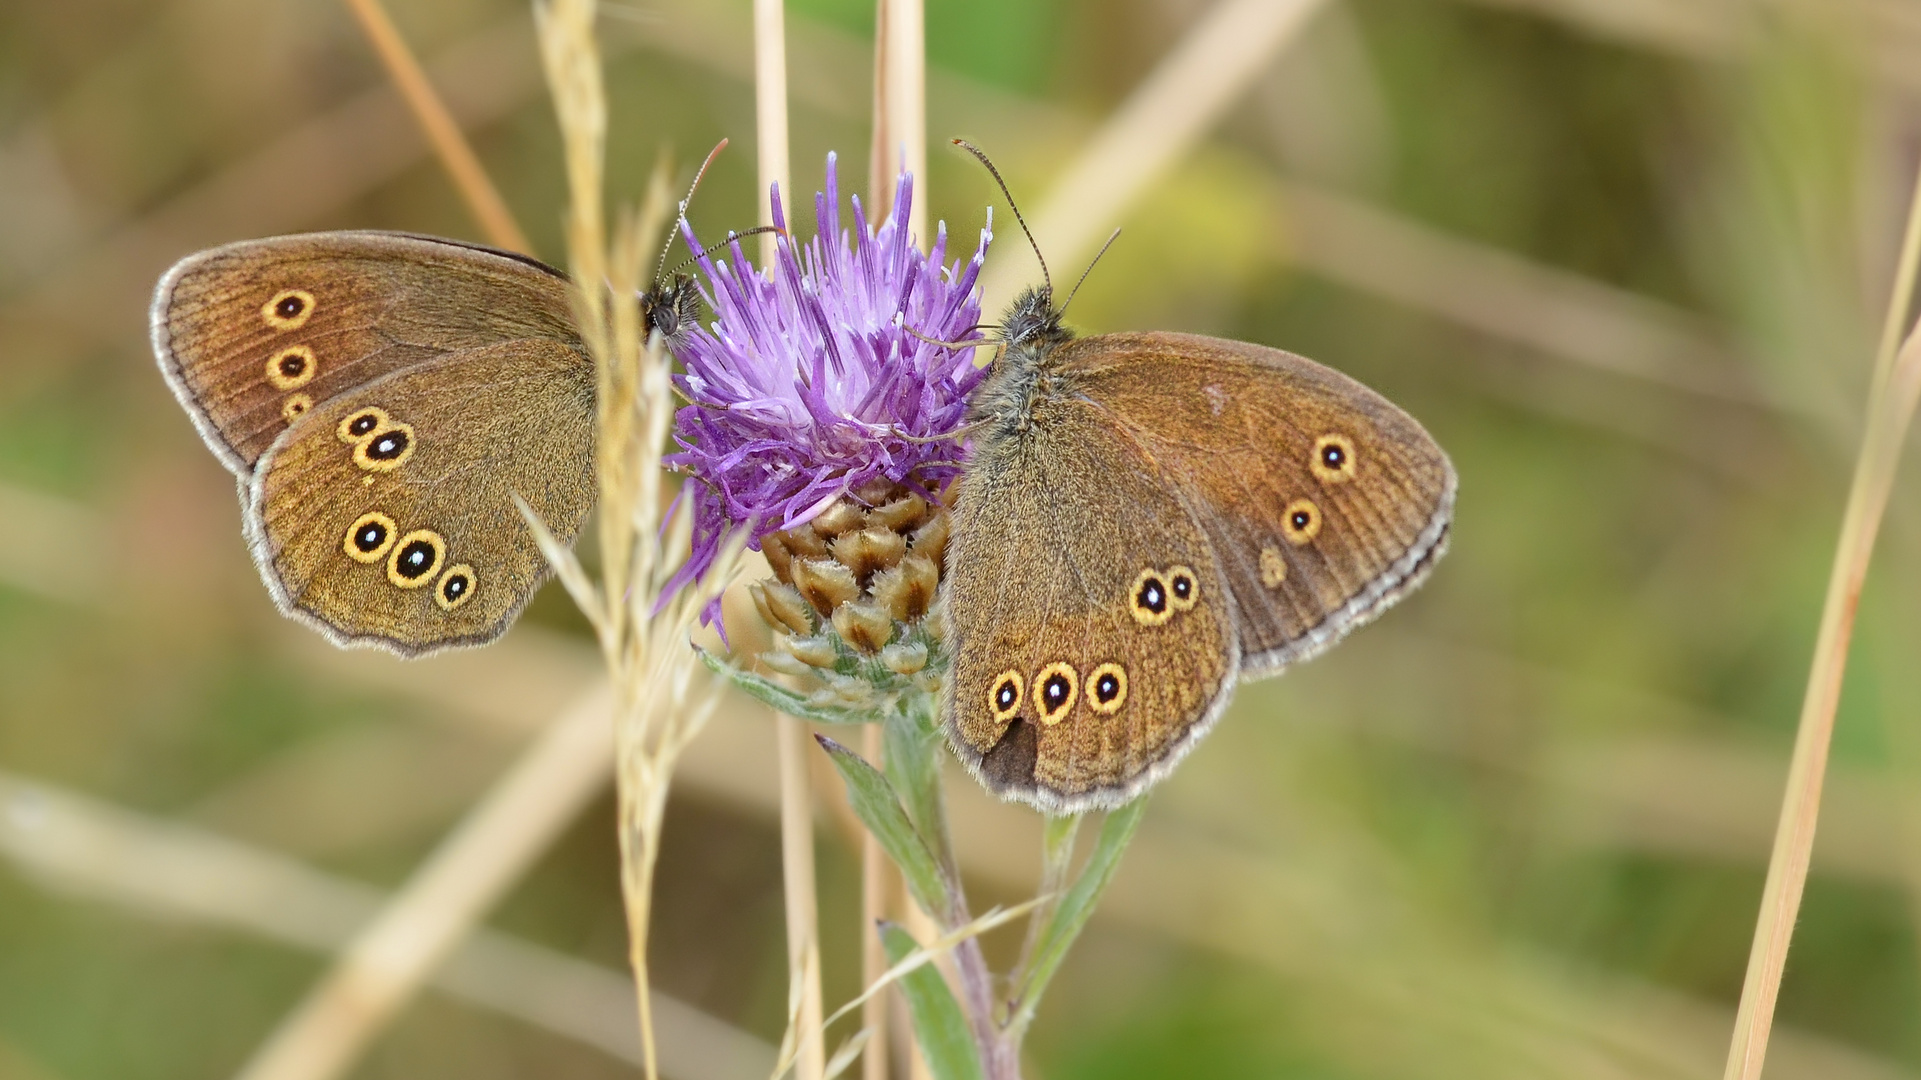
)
(661, 697)
(1891, 404)
(796, 793)
(462, 165)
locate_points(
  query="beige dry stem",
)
(661, 697)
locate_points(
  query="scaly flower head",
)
(824, 379)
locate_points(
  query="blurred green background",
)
(1626, 259)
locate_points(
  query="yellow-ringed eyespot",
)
(369, 537)
(361, 423)
(1273, 567)
(295, 405)
(292, 367)
(416, 556)
(288, 310)
(1004, 696)
(1147, 598)
(455, 586)
(1301, 521)
(1055, 689)
(1107, 688)
(1183, 588)
(1333, 460)
(385, 449)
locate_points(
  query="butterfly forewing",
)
(386, 515)
(1088, 620)
(252, 335)
(1323, 501)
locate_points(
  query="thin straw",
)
(1891, 404)
(463, 167)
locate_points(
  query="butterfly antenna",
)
(730, 238)
(674, 234)
(1011, 205)
(1111, 237)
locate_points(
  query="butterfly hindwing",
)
(386, 515)
(1324, 502)
(1089, 623)
(250, 335)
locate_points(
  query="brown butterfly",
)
(381, 398)
(1148, 518)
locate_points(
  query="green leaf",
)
(779, 697)
(912, 761)
(875, 803)
(946, 1041)
(1074, 909)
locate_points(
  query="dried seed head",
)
(779, 556)
(904, 658)
(842, 516)
(930, 540)
(812, 651)
(785, 664)
(868, 550)
(805, 543)
(865, 626)
(781, 605)
(826, 584)
(907, 590)
(929, 681)
(900, 515)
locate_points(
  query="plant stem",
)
(456, 155)
(1891, 405)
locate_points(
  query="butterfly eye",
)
(1055, 689)
(292, 368)
(361, 424)
(385, 449)
(1107, 688)
(1273, 567)
(295, 406)
(1333, 461)
(1182, 587)
(1301, 521)
(1004, 697)
(456, 585)
(288, 310)
(369, 537)
(1147, 599)
(416, 556)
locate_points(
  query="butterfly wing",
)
(385, 515)
(1089, 625)
(1324, 502)
(253, 334)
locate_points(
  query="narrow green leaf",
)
(1074, 909)
(779, 697)
(946, 1041)
(912, 761)
(875, 803)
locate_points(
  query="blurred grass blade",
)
(939, 1025)
(848, 1052)
(1076, 907)
(566, 567)
(874, 802)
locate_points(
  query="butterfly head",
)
(673, 307)
(1032, 324)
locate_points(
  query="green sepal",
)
(779, 697)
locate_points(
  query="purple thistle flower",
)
(810, 384)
